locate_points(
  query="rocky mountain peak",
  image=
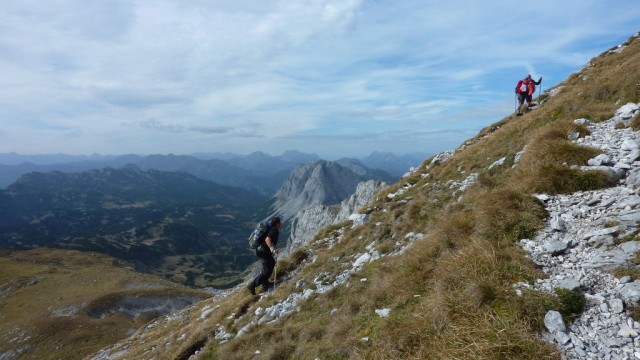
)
(320, 182)
(308, 221)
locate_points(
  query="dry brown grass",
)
(507, 214)
(463, 311)
(550, 145)
(635, 123)
(546, 165)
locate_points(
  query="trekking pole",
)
(275, 273)
(539, 94)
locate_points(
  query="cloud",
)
(154, 124)
(248, 75)
(130, 98)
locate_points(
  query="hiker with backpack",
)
(266, 247)
(525, 90)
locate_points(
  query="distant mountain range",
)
(397, 165)
(169, 223)
(257, 171)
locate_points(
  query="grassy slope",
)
(45, 296)
(451, 294)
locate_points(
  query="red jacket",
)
(528, 84)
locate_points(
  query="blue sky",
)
(332, 77)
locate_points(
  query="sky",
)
(338, 78)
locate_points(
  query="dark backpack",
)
(258, 235)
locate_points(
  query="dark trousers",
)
(522, 97)
(268, 263)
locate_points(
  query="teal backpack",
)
(258, 235)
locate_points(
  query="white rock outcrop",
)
(307, 222)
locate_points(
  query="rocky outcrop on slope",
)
(318, 183)
(307, 222)
(588, 235)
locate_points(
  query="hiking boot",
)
(523, 109)
(252, 288)
(519, 114)
(268, 285)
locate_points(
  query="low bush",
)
(571, 301)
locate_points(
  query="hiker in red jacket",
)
(525, 90)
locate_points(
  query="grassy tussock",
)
(329, 231)
(635, 123)
(545, 166)
(291, 262)
(507, 214)
(554, 179)
(455, 229)
(550, 145)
